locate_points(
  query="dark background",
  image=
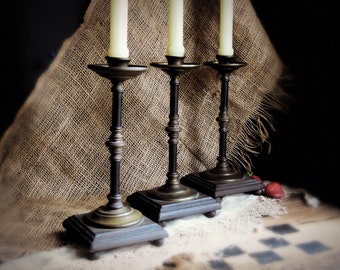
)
(304, 145)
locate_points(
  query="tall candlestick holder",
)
(223, 179)
(115, 224)
(173, 200)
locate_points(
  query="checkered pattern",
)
(268, 250)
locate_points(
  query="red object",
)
(257, 178)
(274, 190)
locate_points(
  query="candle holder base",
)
(97, 239)
(162, 211)
(219, 184)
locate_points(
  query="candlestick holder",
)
(173, 200)
(115, 224)
(223, 179)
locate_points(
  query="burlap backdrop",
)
(53, 159)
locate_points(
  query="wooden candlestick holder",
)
(223, 179)
(115, 224)
(173, 200)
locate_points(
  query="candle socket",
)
(223, 59)
(175, 60)
(117, 62)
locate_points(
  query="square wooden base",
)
(163, 211)
(220, 188)
(95, 239)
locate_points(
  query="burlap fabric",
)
(53, 158)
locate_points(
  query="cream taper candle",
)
(226, 28)
(175, 28)
(118, 29)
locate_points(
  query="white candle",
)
(118, 29)
(175, 28)
(226, 28)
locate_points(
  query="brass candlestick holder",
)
(223, 179)
(173, 200)
(115, 224)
